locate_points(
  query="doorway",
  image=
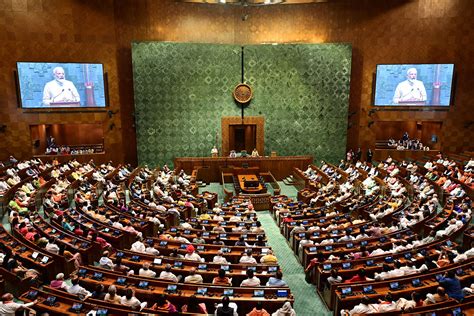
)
(246, 134)
(243, 137)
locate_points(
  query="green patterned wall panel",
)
(182, 90)
(303, 92)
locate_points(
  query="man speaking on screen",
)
(410, 90)
(60, 90)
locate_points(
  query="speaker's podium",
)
(66, 104)
(412, 102)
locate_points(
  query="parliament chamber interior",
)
(236, 157)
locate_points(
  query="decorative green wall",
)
(303, 92)
(182, 90)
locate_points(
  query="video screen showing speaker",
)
(60, 85)
(414, 85)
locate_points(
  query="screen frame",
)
(390, 107)
(104, 108)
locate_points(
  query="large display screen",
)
(414, 85)
(61, 85)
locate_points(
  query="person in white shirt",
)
(168, 275)
(105, 262)
(4, 186)
(314, 228)
(451, 228)
(251, 279)
(9, 308)
(384, 274)
(464, 256)
(347, 237)
(385, 305)
(219, 258)
(129, 299)
(138, 246)
(430, 238)
(363, 308)
(285, 310)
(151, 250)
(218, 218)
(146, 272)
(51, 246)
(117, 224)
(428, 165)
(247, 258)
(235, 219)
(76, 289)
(181, 239)
(193, 277)
(305, 241)
(191, 254)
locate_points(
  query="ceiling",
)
(252, 2)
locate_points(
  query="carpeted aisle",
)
(307, 301)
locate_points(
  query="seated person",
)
(146, 272)
(193, 277)
(130, 300)
(251, 280)
(285, 310)
(112, 296)
(164, 305)
(226, 307)
(168, 275)
(276, 280)
(439, 296)
(76, 289)
(222, 279)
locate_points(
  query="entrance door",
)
(243, 137)
(242, 134)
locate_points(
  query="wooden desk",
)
(243, 296)
(64, 302)
(25, 253)
(236, 271)
(210, 168)
(381, 288)
(233, 256)
(249, 183)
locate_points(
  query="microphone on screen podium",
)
(74, 99)
(52, 99)
(74, 96)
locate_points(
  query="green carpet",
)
(307, 301)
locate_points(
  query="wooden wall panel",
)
(390, 31)
(52, 31)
